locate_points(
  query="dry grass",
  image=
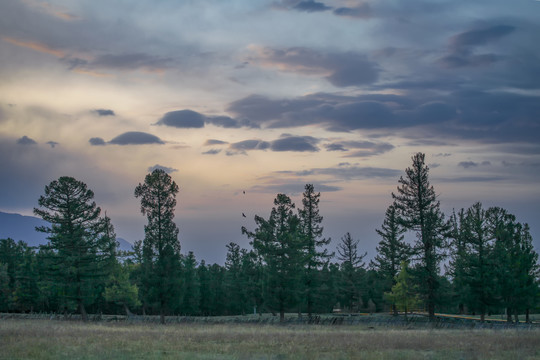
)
(43, 339)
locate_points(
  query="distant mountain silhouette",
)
(20, 227)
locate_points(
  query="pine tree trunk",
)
(527, 316)
(162, 316)
(508, 315)
(482, 317)
(82, 310)
(128, 312)
(394, 310)
(516, 316)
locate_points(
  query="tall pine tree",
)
(315, 255)
(419, 211)
(160, 249)
(392, 250)
(75, 239)
(278, 242)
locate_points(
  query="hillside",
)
(21, 227)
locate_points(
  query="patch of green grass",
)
(43, 339)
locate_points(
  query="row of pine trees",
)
(476, 261)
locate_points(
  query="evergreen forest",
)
(475, 260)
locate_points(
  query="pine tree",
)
(315, 256)
(351, 265)
(479, 264)
(392, 249)
(190, 286)
(403, 293)
(235, 284)
(278, 243)
(419, 211)
(458, 252)
(160, 249)
(76, 245)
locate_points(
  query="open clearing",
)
(46, 339)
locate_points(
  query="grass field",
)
(46, 339)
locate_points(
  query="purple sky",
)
(266, 96)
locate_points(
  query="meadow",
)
(53, 339)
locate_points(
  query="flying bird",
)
(244, 215)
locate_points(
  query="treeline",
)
(476, 261)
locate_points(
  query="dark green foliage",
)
(120, 290)
(279, 244)
(419, 210)
(315, 255)
(80, 244)
(190, 286)
(160, 250)
(352, 271)
(391, 251)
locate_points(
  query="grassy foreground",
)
(44, 339)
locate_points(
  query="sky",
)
(263, 97)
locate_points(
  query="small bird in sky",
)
(244, 215)
(244, 192)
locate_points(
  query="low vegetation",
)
(45, 339)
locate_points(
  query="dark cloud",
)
(182, 119)
(335, 147)
(368, 148)
(52, 143)
(250, 145)
(214, 142)
(346, 69)
(473, 179)
(295, 143)
(168, 170)
(488, 116)
(467, 164)
(362, 11)
(462, 46)
(311, 6)
(480, 36)
(96, 141)
(104, 112)
(25, 140)
(135, 138)
(471, 164)
(193, 119)
(212, 152)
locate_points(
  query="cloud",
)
(471, 164)
(182, 119)
(136, 138)
(212, 152)
(295, 143)
(104, 112)
(40, 47)
(311, 6)
(480, 36)
(96, 141)
(462, 46)
(250, 145)
(52, 143)
(214, 142)
(340, 69)
(485, 116)
(25, 140)
(362, 11)
(368, 148)
(192, 119)
(168, 170)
